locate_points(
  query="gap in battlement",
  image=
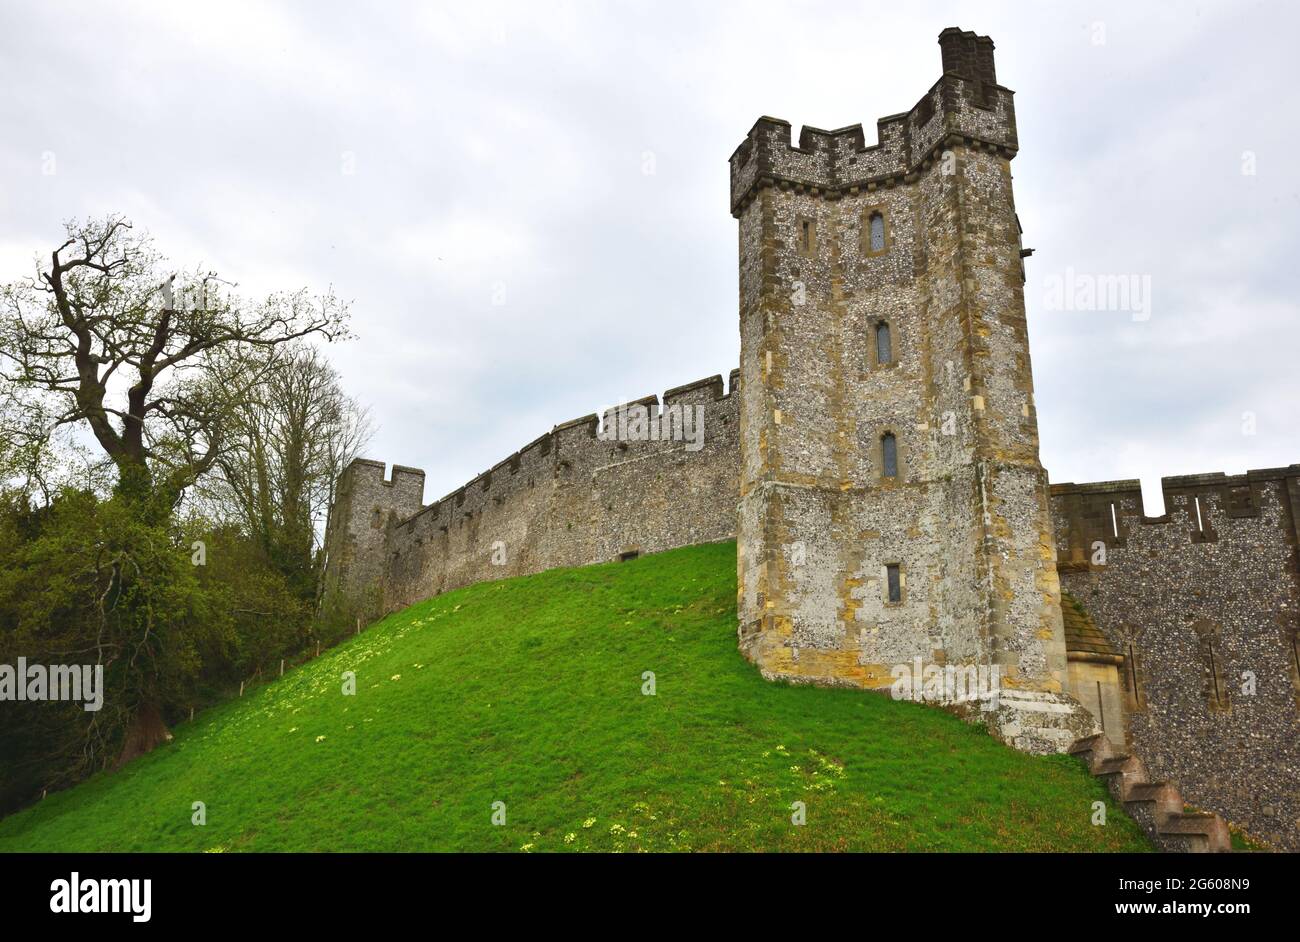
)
(1153, 497)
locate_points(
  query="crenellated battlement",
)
(404, 481)
(1108, 511)
(964, 107)
(563, 439)
(585, 491)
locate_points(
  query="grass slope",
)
(529, 692)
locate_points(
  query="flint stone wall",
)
(569, 498)
(1199, 606)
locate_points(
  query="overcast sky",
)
(527, 204)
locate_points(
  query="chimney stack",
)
(967, 55)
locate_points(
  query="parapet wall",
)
(1109, 511)
(1203, 603)
(584, 492)
(965, 105)
(365, 503)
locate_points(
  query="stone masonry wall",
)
(1199, 602)
(365, 506)
(566, 499)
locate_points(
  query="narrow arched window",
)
(884, 345)
(889, 455)
(806, 236)
(894, 582)
(877, 223)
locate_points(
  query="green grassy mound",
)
(529, 692)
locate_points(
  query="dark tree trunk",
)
(146, 732)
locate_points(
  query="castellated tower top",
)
(966, 105)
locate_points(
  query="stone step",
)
(1206, 830)
(1172, 842)
(1093, 750)
(1086, 744)
(1119, 763)
(1120, 773)
(1162, 796)
(1157, 807)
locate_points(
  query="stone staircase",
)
(1156, 806)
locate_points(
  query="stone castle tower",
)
(892, 503)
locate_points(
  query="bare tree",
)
(289, 440)
(151, 362)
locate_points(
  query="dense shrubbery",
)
(178, 615)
